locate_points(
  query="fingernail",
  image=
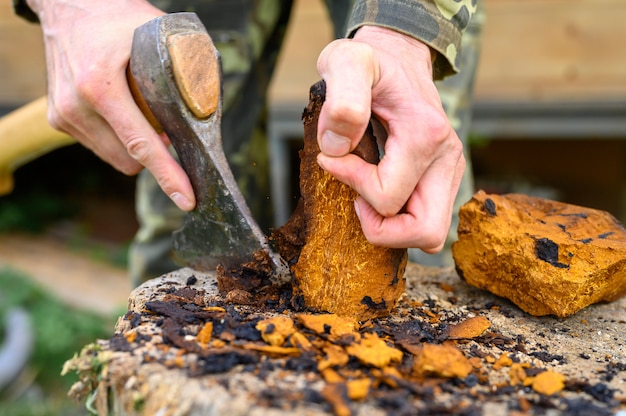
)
(334, 144)
(320, 160)
(181, 202)
(357, 209)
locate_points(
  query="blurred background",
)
(549, 120)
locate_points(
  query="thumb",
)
(348, 68)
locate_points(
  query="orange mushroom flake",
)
(336, 395)
(374, 351)
(272, 350)
(359, 388)
(335, 356)
(443, 360)
(548, 383)
(517, 375)
(328, 324)
(503, 361)
(204, 335)
(300, 341)
(470, 328)
(275, 330)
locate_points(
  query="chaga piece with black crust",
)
(547, 257)
(337, 269)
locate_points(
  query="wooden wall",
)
(533, 50)
(542, 50)
(22, 61)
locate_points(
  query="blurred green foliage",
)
(32, 211)
(59, 332)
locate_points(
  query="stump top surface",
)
(155, 363)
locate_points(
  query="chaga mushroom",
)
(335, 268)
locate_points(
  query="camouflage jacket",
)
(438, 23)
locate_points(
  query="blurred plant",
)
(59, 331)
(32, 211)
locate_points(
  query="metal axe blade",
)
(177, 70)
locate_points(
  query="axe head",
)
(177, 71)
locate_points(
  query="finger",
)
(78, 123)
(145, 146)
(386, 186)
(347, 108)
(425, 222)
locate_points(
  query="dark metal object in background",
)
(17, 346)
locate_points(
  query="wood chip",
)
(548, 383)
(374, 351)
(358, 389)
(328, 324)
(443, 360)
(503, 361)
(470, 328)
(275, 330)
(204, 335)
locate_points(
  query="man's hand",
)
(406, 200)
(87, 52)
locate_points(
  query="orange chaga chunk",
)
(331, 376)
(337, 269)
(329, 324)
(374, 351)
(548, 383)
(275, 330)
(274, 351)
(470, 328)
(130, 336)
(359, 388)
(503, 361)
(335, 356)
(443, 360)
(300, 341)
(204, 336)
(215, 309)
(390, 376)
(335, 394)
(517, 374)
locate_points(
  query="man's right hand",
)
(88, 47)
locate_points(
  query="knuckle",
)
(374, 233)
(347, 114)
(62, 111)
(87, 87)
(56, 121)
(429, 238)
(389, 207)
(438, 127)
(139, 148)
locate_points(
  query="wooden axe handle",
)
(26, 135)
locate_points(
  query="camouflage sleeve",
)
(437, 23)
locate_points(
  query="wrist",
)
(390, 39)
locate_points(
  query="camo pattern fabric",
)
(248, 34)
(438, 23)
